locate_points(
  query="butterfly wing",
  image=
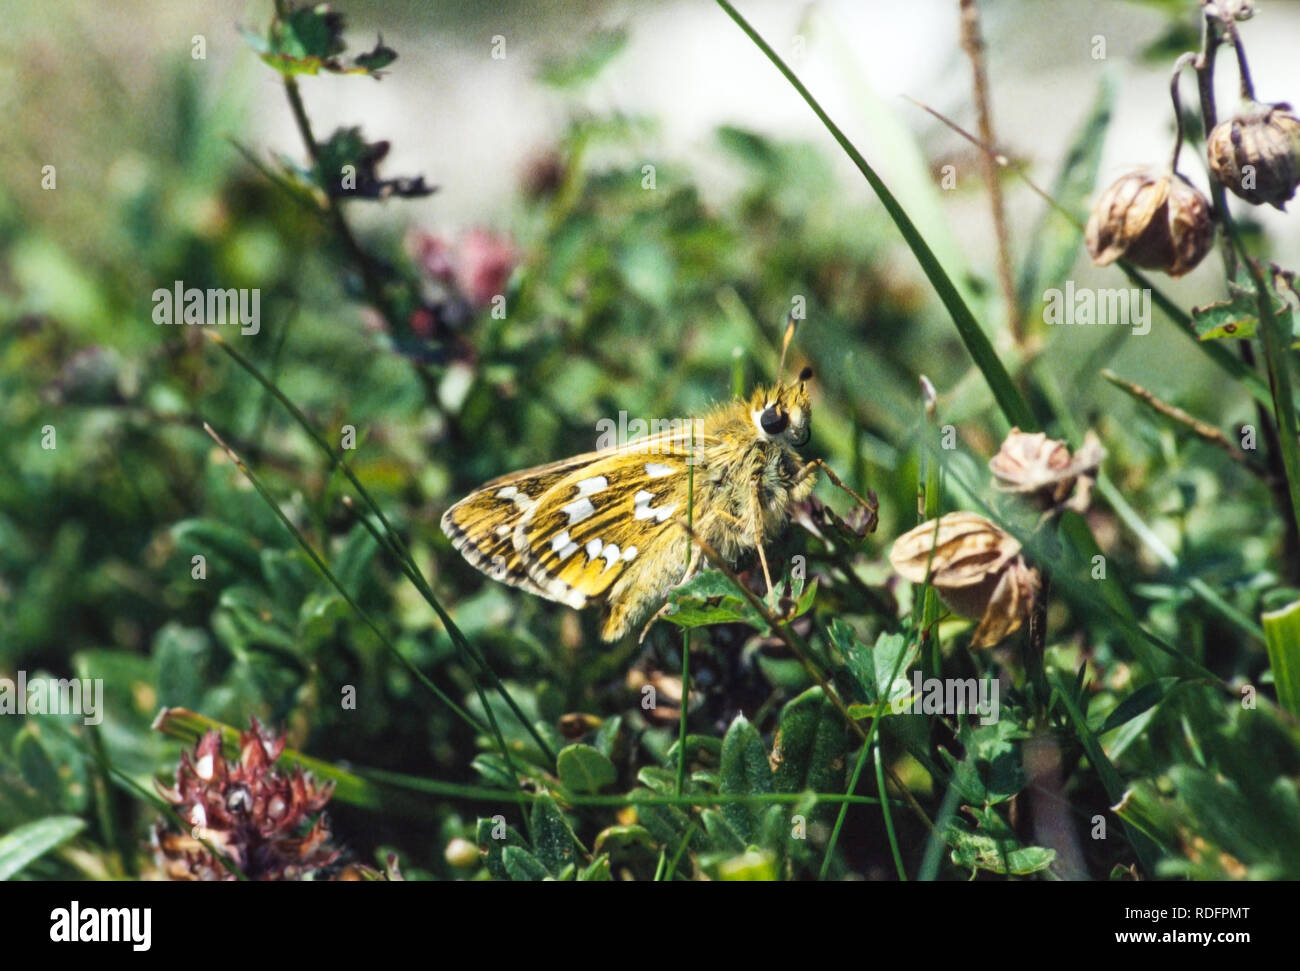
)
(607, 531)
(597, 527)
(482, 525)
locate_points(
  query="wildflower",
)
(246, 809)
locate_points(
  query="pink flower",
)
(478, 265)
(486, 262)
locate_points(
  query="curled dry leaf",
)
(976, 569)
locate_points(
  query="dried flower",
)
(1043, 469)
(1256, 153)
(248, 810)
(975, 567)
(1158, 222)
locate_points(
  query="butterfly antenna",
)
(785, 346)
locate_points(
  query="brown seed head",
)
(1043, 469)
(975, 567)
(1159, 222)
(1256, 153)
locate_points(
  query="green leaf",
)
(753, 865)
(665, 823)
(257, 619)
(181, 656)
(228, 550)
(597, 872)
(348, 167)
(37, 769)
(744, 770)
(721, 834)
(706, 748)
(372, 61)
(522, 866)
(495, 848)
(607, 736)
(1238, 316)
(352, 562)
(711, 598)
(31, 841)
(623, 840)
(553, 840)
(494, 770)
(1143, 809)
(976, 851)
(871, 668)
(811, 743)
(991, 771)
(584, 769)
(1147, 696)
(1282, 634)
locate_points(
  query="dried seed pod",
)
(975, 567)
(1159, 222)
(1043, 469)
(1256, 153)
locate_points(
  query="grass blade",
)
(1282, 634)
(1013, 405)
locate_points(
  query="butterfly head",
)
(784, 413)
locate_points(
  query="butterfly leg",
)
(871, 507)
(692, 568)
(757, 521)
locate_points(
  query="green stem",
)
(682, 756)
(334, 581)
(394, 541)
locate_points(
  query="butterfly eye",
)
(773, 422)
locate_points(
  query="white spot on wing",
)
(657, 470)
(610, 553)
(566, 594)
(561, 544)
(593, 548)
(578, 510)
(520, 499)
(641, 508)
(629, 554)
(589, 487)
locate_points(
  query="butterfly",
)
(610, 527)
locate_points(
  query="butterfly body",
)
(609, 526)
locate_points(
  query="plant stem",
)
(973, 44)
